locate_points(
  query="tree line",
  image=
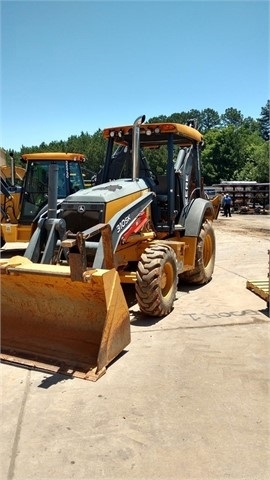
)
(235, 147)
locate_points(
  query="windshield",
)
(35, 195)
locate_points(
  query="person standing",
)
(227, 205)
(223, 204)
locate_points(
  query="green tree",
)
(224, 151)
(250, 125)
(256, 165)
(208, 119)
(157, 160)
(235, 147)
(232, 116)
(264, 121)
(209, 154)
(95, 152)
(158, 119)
(182, 117)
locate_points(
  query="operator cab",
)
(120, 166)
(35, 192)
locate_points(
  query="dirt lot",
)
(188, 399)
(255, 225)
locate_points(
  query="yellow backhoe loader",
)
(63, 306)
(11, 177)
(24, 192)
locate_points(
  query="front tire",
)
(205, 257)
(157, 279)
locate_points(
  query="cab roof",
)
(153, 135)
(43, 156)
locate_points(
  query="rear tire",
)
(157, 279)
(205, 257)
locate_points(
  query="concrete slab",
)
(188, 399)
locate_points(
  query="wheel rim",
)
(207, 250)
(167, 279)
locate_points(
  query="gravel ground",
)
(187, 400)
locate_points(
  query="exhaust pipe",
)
(136, 146)
(12, 165)
(52, 190)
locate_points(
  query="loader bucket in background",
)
(216, 202)
(55, 324)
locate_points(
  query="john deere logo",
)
(81, 209)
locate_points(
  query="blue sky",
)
(73, 66)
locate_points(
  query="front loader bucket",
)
(55, 324)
